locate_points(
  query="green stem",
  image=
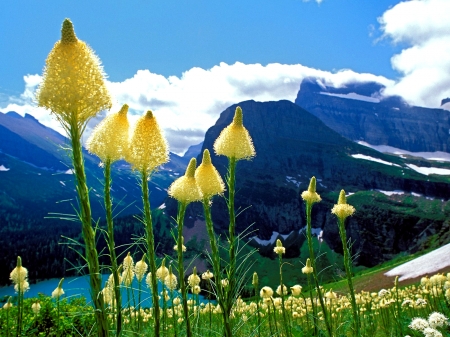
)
(231, 291)
(348, 271)
(151, 250)
(180, 222)
(313, 264)
(111, 246)
(88, 232)
(313, 306)
(215, 258)
(286, 324)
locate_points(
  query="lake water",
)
(79, 286)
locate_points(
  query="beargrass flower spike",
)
(208, 179)
(148, 147)
(343, 210)
(185, 190)
(109, 140)
(210, 184)
(311, 197)
(73, 86)
(147, 150)
(234, 141)
(73, 89)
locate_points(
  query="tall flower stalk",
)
(311, 197)
(109, 141)
(19, 276)
(211, 184)
(185, 190)
(73, 89)
(342, 210)
(147, 150)
(235, 143)
(282, 289)
(56, 294)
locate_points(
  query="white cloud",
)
(187, 106)
(423, 28)
(318, 1)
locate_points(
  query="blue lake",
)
(79, 286)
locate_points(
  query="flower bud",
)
(310, 196)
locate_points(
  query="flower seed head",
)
(234, 141)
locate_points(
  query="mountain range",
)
(401, 200)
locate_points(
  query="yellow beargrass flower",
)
(58, 292)
(234, 141)
(255, 279)
(73, 87)
(185, 188)
(208, 179)
(279, 249)
(171, 280)
(311, 196)
(342, 210)
(109, 140)
(308, 269)
(140, 268)
(296, 290)
(207, 275)
(162, 271)
(194, 279)
(266, 292)
(148, 148)
(19, 277)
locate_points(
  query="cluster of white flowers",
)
(429, 327)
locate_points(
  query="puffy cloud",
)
(187, 106)
(424, 29)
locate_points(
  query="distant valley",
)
(401, 200)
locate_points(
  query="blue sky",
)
(201, 55)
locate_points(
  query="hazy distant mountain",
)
(193, 151)
(292, 145)
(358, 113)
(37, 171)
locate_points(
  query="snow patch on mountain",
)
(436, 156)
(362, 156)
(429, 170)
(424, 265)
(354, 96)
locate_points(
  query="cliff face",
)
(292, 145)
(357, 113)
